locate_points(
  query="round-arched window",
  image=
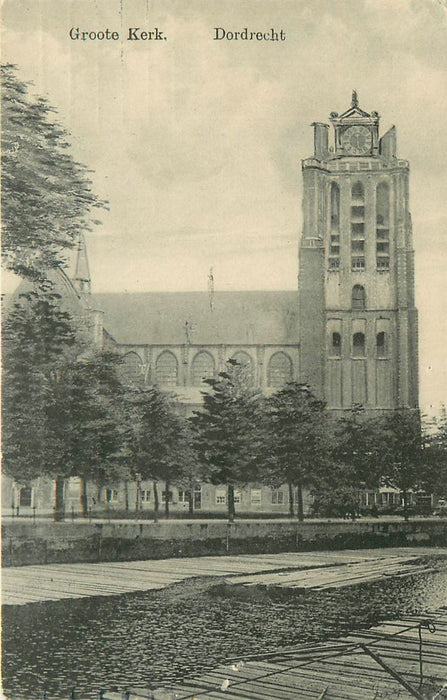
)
(202, 368)
(280, 370)
(166, 369)
(131, 368)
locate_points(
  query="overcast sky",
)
(197, 143)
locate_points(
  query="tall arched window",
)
(358, 226)
(383, 226)
(131, 368)
(358, 297)
(358, 345)
(381, 344)
(335, 346)
(280, 370)
(244, 359)
(334, 244)
(202, 368)
(166, 369)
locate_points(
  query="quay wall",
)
(27, 542)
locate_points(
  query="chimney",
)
(321, 140)
(388, 144)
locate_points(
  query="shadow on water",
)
(151, 638)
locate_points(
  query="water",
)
(150, 638)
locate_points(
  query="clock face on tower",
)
(357, 140)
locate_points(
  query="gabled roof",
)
(354, 112)
(163, 318)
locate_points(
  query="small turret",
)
(81, 277)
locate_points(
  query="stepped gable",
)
(159, 318)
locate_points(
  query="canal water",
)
(151, 638)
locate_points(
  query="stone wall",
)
(41, 543)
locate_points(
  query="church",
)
(349, 331)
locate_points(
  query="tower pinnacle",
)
(81, 278)
(355, 99)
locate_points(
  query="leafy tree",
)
(159, 440)
(435, 454)
(401, 452)
(38, 341)
(47, 198)
(357, 447)
(227, 430)
(294, 446)
(59, 400)
(87, 419)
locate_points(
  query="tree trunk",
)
(191, 497)
(83, 496)
(126, 495)
(291, 509)
(156, 503)
(405, 495)
(59, 499)
(231, 509)
(300, 504)
(167, 485)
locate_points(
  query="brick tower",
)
(358, 321)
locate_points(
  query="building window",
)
(221, 496)
(237, 496)
(131, 368)
(244, 359)
(335, 349)
(334, 240)
(383, 226)
(357, 227)
(381, 344)
(358, 345)
(256, 497)
(183, 496)
(202, 368)
(358, 297)
(166, 369)
(168, 494)
(111, 495)
(383, 263)
(25, 496)
(145, 495)
(280, 370)
(277, 497)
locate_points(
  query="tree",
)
(60, 400)
(159, 440)
(435, 454)
(228, 430)
(357, 445)
(38, 340)
(401, 452)
(294, 447)
(87, 419)
(47, 198)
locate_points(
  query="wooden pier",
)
(31, 584)
(387, 661)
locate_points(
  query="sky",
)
(197, 143)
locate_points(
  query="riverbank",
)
(25, 542)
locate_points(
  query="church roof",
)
(160, 318)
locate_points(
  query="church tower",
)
(358, 321)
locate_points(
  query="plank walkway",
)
(30, 584)
(340, 669)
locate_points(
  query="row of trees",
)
(67, 413)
